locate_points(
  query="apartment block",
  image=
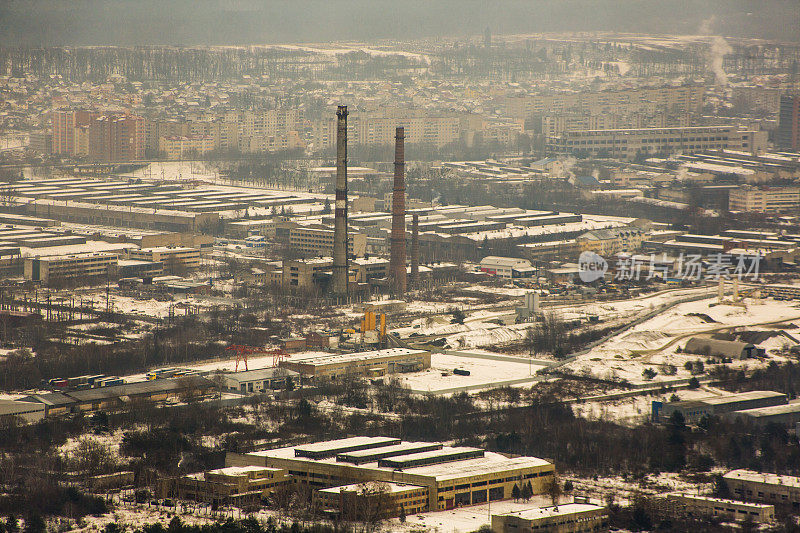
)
(185, 146)
(611, 241)
(629, 143)
(116, 137)
(764, 487)
(65, 123)
(674, 100)
(764, 199)
(787, 136)
(378, 127)
(69, 267)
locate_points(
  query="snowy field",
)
(635, 410)
(655, 342)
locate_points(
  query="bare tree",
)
(554, 490)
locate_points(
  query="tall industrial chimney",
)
(397, 262)
(415, 250)
(339, 281)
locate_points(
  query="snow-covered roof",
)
(549, 512)
(763, 477)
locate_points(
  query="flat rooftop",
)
(331, 448)
(700, 498)
(762, 477)
(490, 463)
(372, 454)
(384, 485)
(442, 455)
(327, 359)
(773, 410)
(241, 470)
(742, 396)
(548, 512)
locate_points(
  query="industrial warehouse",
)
(446, 476)
(375, 363)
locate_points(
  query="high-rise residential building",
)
(116, 137)
(99, 136)
(788, 134)
(65, 123)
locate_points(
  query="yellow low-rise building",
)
(764, 487)
(374, 499)
(706, 506)
(452, 476)
(231, 485)
(567, 518)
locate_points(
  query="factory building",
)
(26, 412)
(506, 267)
(258, 381)
(59, 268)
(119, 396)
(786, 414)
(117, 215)
(172, 257)
(694, 410)
(235, 485)
(360, 501)
(567, 518)
(764, 199)
(374, 363)
(448, 477)
(319, 241)
(706, 506)
(306, 273)
(774, 489)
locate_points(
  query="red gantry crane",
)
(242, 352)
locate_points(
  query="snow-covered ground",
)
(482, 372)
(655, 342)
(634, 410)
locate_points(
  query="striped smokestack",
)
(339, 281)
(397, 262)
(415, 250)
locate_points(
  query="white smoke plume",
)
(717, 52)
(719, 49)
(707, 24)
(569, 163)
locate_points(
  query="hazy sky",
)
(130, 22)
